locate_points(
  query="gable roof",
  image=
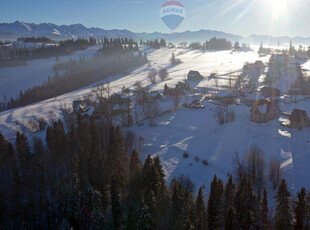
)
(262, 107)
(193, 72)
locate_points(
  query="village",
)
(261, 87)
(230, 100)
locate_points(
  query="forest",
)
(82, 72)
(91, 177)
(36, 39)
(212, 44)
(12, 56)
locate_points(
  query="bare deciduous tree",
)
(255, 163)
(238, 167)
(163, 74)
(216, 81)
(152, 76)
(275, 173)
(51, 116)
(64, 109)
(102, 90)
(176, 98)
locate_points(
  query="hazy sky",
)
(244, 17)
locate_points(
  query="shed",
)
(299, 119)
(194, 76)
(270, 92)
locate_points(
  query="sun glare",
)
(278, 7)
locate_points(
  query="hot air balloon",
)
(172, 13)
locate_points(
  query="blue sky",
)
(244, 17)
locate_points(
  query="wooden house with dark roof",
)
(194, 76)
(264, 111)
(299, 119)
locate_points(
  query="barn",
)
(299, 119)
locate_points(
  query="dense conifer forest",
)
(15, 55)
(87, 175)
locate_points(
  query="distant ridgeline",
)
(19, 54)
(83, 72)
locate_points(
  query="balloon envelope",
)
(172, 13)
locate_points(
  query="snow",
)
(196, 132)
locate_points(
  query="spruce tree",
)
(95, 160)
(3, 151)
(117, 158)
(307, 217)
(23, 150)
(135, 180)
(300, 209)
(229, 195)
(132, 222)
(146, 220)
(50, 139)
(188, 225)
(3, 145)
(116, 205)
(264, 211)
(230, 220)
(178, 206)
(200, 212)
(283, 215)
(73, 140)
(162, 195)
(246, 206)
(215, 205)
(135, 163)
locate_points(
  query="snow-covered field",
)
(196, 131)
(14, 79)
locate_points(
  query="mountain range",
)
(11, 31)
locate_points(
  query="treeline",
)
(19, 55)
(77, 75)
(155, 44)
(35, 39)
(118, 45)
(91, 178)
(292, 51)
(212, 44)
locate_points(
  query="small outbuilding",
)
(270, 92)
(155, 95)
(264, 111)
(299, 119)
(194, 76)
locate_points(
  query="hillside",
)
(195, 131)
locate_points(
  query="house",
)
(119, 99)
(155, 95)
(194, 76)
(88, 112)
(184, 86)
(78, 106)
(299, 119)
(264, 111)
(82, 109)
(270, 92)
